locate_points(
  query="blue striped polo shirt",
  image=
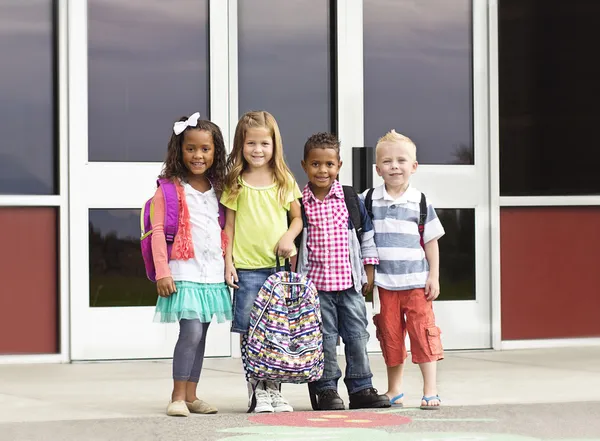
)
(402, 262)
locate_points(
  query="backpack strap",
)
(171, 208)
(221, 216)
(352, 205)
(369, 202)
(298, 239)
(422, 217)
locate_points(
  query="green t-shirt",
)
(260, 221)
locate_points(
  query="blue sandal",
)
(431, 398)
(396, 398)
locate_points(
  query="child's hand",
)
(432, 288)
(231, 277)
(367, 288)
(165, 286)
(285, 247)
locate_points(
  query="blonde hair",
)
(236, 163)
(393, 136)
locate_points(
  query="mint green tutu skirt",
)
(201, 301)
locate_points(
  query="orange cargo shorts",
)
(402, 312)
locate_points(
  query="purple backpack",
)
(171, 224)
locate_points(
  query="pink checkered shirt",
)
(327, 241)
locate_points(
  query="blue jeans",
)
(344, 314)
(249, 282)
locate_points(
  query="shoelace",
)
(261, 393)
(277, 396)
(329, 393)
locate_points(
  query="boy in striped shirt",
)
(341, 267)
(407, 276)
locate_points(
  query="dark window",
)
(457, 254)
(549, 91)
(27, 98)
(285, 67)
(418, 76)
(148, 65)
(117, 272)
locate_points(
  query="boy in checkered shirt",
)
(341, 267)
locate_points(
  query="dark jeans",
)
(344, 314)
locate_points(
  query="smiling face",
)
(322, 166)
(396, 163)
(258, 147)
(198, 151)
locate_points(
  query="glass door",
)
(133, 70)
(425, 75)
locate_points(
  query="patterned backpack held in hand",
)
(171, 223)
(285, 340)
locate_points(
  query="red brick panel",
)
(28, 271)
(550, 272)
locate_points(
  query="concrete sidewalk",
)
(140, 390)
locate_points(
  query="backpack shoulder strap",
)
(422, 216)
(369, 202)
(352, 205)
(298, 240)
(169, 191)
(221, 216)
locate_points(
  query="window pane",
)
(457, 254)
(148, 65)
(418, 76)
(549, 89)
(117, 272)
(284, 51)
(27, 78)
(29, 294)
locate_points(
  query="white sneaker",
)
(278, 401)
(263, 400)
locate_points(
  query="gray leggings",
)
(189, 350)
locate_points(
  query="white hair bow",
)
(180, 126)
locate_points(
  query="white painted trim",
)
(64, 316)
(350, 82)
(233, 69)
(494, 159)
(32, 359)
(232, 32)
(30, 201)
(219, 60)
(508, 345)
(548, 201)
(220, 98)
(482, 150)
(77, 31)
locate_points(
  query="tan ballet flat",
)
(177, 408)
(200, 406)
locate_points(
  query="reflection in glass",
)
(418, 76)
(457, 254)
(148, 65)
(284, 57)
(548, 93)
(27, 78)
(117, 272)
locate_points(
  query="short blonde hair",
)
(393, 136)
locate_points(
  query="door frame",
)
(92, 344)
(484, 197)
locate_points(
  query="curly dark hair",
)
(322, 140)
(174, 167)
